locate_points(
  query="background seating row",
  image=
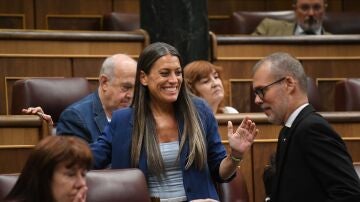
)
(103, 185)
(55, 94)
(91, 15)
(326, 59)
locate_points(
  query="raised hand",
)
(241, 140)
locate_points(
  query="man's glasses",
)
(261, 91)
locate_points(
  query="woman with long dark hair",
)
(170, 135)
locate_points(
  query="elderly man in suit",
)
(309, 16)
(312, 161)
(88, 117)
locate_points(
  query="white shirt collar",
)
(300, 31)
(293, 115)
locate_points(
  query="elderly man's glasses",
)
(261, 91)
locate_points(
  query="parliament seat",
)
(235, 190)
(357, 168)
(118, 21)
(52, 94)
(314, 94)
(245, 22)
(120, 185)
(342, 22)
(7, 181)
(347, 95)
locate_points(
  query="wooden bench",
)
(18, 136)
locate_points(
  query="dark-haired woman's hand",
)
(241, 140)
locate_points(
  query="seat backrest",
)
(313, 94)
(245, 22)
(235, 190)
(347, 95)
(7, 181)
(117, 21)
(357, 168)
(119, 185)
(342, 22)
(52, 94)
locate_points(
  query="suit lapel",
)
(284, 140)
(99, 113)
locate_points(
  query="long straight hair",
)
(144, 130)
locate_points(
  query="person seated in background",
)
(54, 171)
(88, 117)
(204, 80)
(309, 16)
(170, 135)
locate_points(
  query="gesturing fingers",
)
(230, 129)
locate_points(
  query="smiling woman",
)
(171, 135)
(55, 171)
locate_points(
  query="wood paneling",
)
(276, 5)
(12, 21)
(126, 6)
(323, 57)
(226, 7)
(351, 5)
(20, 7)
(74, 22)
(87, 67)
(346, 124)
(18, 136)
(69, 7)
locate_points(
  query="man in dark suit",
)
(88, 117)
(312, 162)
(309, 16)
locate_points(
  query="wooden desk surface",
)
(43, 43)
(18, 135)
